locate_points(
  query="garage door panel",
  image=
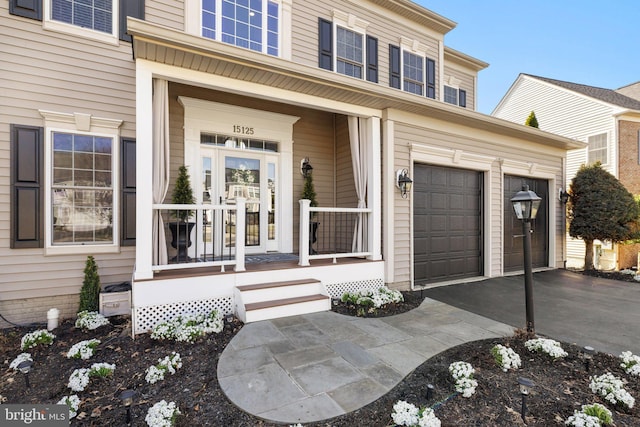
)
(448, 229)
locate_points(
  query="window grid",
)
(451, 95)
(413, 70)
(349, 53)
(598, 149)
(250, 24)
(94, 14)
(82, 189)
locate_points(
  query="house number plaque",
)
(244, 130)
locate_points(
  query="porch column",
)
(144, 151)
(375, 190)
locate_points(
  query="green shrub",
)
(90, 292)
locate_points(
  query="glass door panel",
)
(242, 179)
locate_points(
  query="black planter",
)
(181, 239)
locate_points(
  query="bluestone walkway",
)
(312, 367)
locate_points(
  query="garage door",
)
(447, 224)
(513, 251)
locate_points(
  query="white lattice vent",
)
(145, 318)
(337, 289)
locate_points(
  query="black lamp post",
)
(525, 388)
(525, 205)
(127, 400)
(25, 367)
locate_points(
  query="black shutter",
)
(462, 98)
(394, 66)
(431, 78)
(372, 59)
(325, 44)
(27, 213)
(128, 195)
(31, 9)
(133, 8)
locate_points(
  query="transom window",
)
(240, 143)
(81, 189)
(350, 55)
(413, 72)
(598, 148)
(251, 24)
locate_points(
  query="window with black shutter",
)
(394, 66)
(431, 78)
(128, 194)
(31, 9)
(133, 8)
(26, 198)
(372, 59)
(462, 95)
(325, 44)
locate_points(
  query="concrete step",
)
(275, 309)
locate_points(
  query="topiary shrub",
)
(532, 120)
(90, 292)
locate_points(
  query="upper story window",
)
(598, 149)
(251, 24)
(344, 46)
(411, 69)
(96, 19)
(453, 94)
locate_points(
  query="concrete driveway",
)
(570, 307)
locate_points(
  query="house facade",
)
(608, 121)
(103, 106)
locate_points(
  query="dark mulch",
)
(411, 301)
(561, 386)
(612, 275)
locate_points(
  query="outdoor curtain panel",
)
(160, 165)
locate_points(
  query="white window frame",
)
(63, 27)
(451, 83)
(416, 48)
(193, 25)
(605, 149)
(84, 124)
(352, 23)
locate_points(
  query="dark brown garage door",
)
(447, 224)
(513, 251)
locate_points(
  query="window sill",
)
(86, 33)
(81, 250)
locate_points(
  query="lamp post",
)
(525, 205)
(525, 388)
(127, 400)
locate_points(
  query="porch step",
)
(262, 301)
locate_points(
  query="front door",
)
(228, 174)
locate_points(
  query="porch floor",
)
(253, 263)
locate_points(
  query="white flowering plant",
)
(548, 346)
(91, 320)
(595, 415)
(32, 339)
(162, 414)
(22, 357)
(188, 328)
(630, 363)
(369, 300)
(83, 350)
(506, 357)
(73, 402)
(170, 364)
(611, 388)
(79, 379)
(407, 414)
(462, 373)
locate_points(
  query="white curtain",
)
(358, 139)
(160, 165)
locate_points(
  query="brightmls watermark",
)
(34, 415)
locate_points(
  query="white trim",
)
(349, 21)
(80, 123)
(388, 199)
(49, 24)
(207, 116)
(413, 46)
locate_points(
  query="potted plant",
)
(309, 193)
(182, 227)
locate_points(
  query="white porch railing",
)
(332, 233)
(217, 236)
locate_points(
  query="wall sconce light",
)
(127, 400)
(563, 196)
(305, 167)
(525, 388)
(588, 352)
(25, 367)
(403, 182)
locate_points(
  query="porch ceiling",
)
(176, 48)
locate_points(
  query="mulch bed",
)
(562, 386)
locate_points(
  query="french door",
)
(228, 174)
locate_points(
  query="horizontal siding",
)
(47, 70)
(169, 13)
(345, 188)
(467, 83)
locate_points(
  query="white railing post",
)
(240, 232)
(303, 246)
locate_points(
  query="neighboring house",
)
(607, 120)
(97, 120)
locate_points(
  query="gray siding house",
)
(101, 106)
